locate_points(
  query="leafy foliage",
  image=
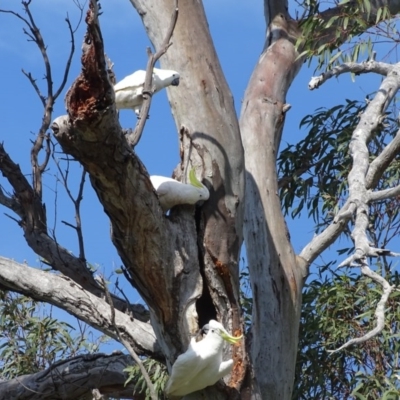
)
(31, 339)
(315, 169)
(313, 173)
(355, 18)
(158, 374)
(339, 307)
(336, 309)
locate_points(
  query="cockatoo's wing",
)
(184, 370)
(172, 192)
(134, 81)
(196, 369)
(202, 364)
(162, 184)
(128, 92)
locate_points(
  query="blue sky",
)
(238, 30)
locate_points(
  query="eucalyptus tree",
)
(185, 264)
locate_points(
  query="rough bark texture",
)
(209, 134)
(74, 379)
(191, 242)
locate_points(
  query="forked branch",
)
(48, 100)
(360, 197)
(356, 68)
(76, 202)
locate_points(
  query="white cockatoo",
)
(128, 92)
(171, 192)
(201, 365)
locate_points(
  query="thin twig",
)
(11, 203)
(380, 308)
(76, 202)
(127, 344)
(69, 60)
(34, 35)
(147, 88)
(35, 86)
(42, 167)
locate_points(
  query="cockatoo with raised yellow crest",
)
(129, 91)
(201, 365)
(171, 192)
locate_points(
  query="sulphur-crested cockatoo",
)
(128, 92)
(202, 364)
(171, 192)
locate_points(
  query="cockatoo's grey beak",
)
(230, 339)
(205, 329)
(175, 82)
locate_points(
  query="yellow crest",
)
(193, 180)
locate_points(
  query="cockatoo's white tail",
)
(129, 91)
(202, 364)
(171, 192)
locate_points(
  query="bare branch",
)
(10, 202)
(382, 161)
(384, 194)
(59, 381)
(33, 222)
(147, 88)
(35, 86)
(34, 34)
(358, 197)
(38, 39)
(69, 60)
(73, 298)
(128, 345)
(354, 259)
(76, 202)
(380, 308)
(356, 68)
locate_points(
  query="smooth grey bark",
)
(360, 197)
(276, 274)
(62, 292)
